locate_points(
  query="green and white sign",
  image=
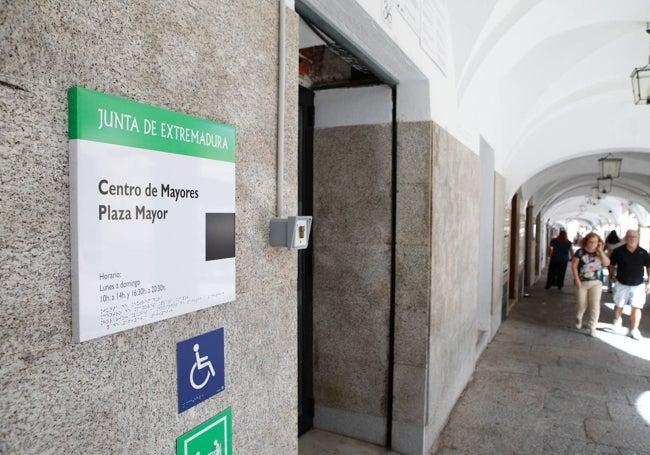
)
(213, 437)
(152, 196)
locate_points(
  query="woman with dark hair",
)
(612, 241)
(559, 258)
(586, 265)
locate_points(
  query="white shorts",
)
(632, 295)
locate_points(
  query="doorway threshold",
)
(319, 442)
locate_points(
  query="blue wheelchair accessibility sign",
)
(200, 368)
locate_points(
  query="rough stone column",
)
(352, 247)
(437, 281)
(500, 258)
(416, 148)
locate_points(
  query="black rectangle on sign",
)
(219, 236)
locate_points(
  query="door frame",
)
(305, 263)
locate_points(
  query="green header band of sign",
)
(95, 116)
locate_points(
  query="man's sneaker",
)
(592, 331)
(636, 334)
(578, 323)
(618, 325)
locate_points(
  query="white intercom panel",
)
(292, 232)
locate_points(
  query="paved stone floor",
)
(544, 387)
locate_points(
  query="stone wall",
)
(437, 281)
(454, 276)
(500, 256)
(413, 283)
(352, 248)
(117, 394)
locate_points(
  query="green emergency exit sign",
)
(213, 437)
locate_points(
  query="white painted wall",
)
(353, 106)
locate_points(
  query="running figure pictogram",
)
(216, 451)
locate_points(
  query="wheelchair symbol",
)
(201, 363)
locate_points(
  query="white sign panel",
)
(410, 11)
(152, 213)
(432, 39)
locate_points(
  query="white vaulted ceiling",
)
(547, 84)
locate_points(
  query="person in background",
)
(612, 241)
(577, 238)
(586, 265)
(559, 258)
(630, 259)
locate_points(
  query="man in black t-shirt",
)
(630, 260)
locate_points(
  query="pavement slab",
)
(620, 412)
(631, 436)
(542, 386)
(592, 376)
(554, 446)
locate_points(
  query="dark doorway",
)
(305, 270)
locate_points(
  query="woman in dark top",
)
(611, 243)
(559, 258)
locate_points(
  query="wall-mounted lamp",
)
(595, 193)
(610, 166)
(594, 199)
(604, 185)
(641, 81)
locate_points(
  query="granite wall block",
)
(352, 206)
(117, 394)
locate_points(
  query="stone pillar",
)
(351, 293)
(436, 283)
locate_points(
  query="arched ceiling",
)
(564, 190)
(547, 84)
